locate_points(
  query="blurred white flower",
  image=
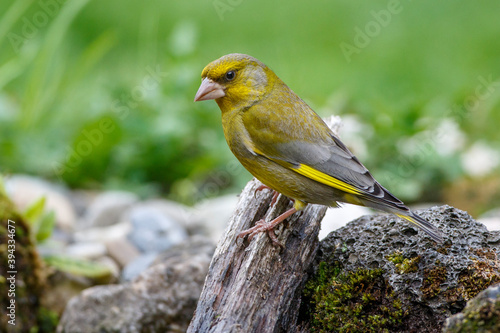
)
(411, 145)
(448, 137)
(334, 122)
(480, 159)
(445, 139)
(354, 133)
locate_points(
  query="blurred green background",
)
(99, 95)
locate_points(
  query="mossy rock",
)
(407, 282)
(363, 296)
(481, 315)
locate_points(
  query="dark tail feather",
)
(426, 226)
(387, 202)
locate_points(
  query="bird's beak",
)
(209, 90)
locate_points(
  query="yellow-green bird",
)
(287, 146)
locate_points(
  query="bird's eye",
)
(230, 75)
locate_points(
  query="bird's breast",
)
(237, 136)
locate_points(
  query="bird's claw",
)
(259, 227)
(262, 187)
(275, 198)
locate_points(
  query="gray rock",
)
(161, 299)
(432, 281)
(153, 231)
(26, 190)
(122, 251)
(212, 216)
(112, 265)
(137, 266)
(103, 234)
(82, 199)
(107, 209)
(194, 246)
(86, 250)
(61, 287)
(178, 212)
(63, 236)
(481, 314)
(51, 247)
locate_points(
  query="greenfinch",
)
(281, 141)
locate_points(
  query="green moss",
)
(481, 317)
(396, 257)
(404, 265)
(47, 321)
(444, 249)
(478, 276)
(433, 278)
(30, 276)
(482, 273)
(359, 301)
(488, 254)
(486, 318)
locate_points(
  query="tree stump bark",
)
(255, 286)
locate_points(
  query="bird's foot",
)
(262, 187)
(263, 225)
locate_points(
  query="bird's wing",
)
(302, 142)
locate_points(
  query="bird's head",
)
(235, 81)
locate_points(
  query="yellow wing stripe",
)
(318, 176)
(407, 218)
(325, 179)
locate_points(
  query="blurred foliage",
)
(79, 267)
(99, 94)
(40, 221)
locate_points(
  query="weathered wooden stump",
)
(255, 286)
